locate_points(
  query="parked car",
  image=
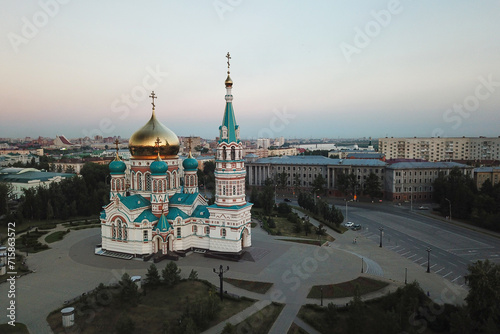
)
(287, 200)
(423, 208)
(349, 224)
(356, 227)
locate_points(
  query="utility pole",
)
(221, 278)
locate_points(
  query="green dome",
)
(190, 163)
(117, 167)
(158, 167)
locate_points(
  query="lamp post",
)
(406, 275)
(449, 203)
(362, 269)
(428, 259)
(221, 278)
(321, 289)
(346, 216)
(381, 229)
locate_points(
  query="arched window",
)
(113, 231)
(195, 229)
(233, 153)
(207, 230)
(224, 154)
(125, 232)
(169, 175)
(139, 181)
(234, 190)
(223, 232)
(155, 185)
(148, 181)
(119, 230)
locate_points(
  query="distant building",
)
(482, 174)
(441, 149)
(62, 141)
(282, 151)
(26, 178)
(413, 181)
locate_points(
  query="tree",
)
(193, 275)
(6, 192)
(458, 189)
(281, 180)
(171, 274)
(129, 295)
(373, 187)
(267, 197)
(483, 299)
(318, 185)
(152, 276)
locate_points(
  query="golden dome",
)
(142, 144)
(228, 82)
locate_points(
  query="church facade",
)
(158, 214)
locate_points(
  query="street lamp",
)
(362, 269)
(406, 275)
(346, 219)
(428, 259)
(381, 229)
(449, 202)
(321, 289)
(221, 277)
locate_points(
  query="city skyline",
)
(328, 70)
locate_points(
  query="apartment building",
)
(441, 149)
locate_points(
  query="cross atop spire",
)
(117, 143)
(153, 96)
(228, 56)
(189, 144)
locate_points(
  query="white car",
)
(348, 224)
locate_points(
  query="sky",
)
(301, 69)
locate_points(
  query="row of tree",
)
(329, 213)
(458, 192)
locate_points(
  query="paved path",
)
(70, 268)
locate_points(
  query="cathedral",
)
(152, 212)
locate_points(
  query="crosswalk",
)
(450, 272)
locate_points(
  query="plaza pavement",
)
(70, 268)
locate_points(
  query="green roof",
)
(146, 214)
(201, 211)
(134, 202)
(232, 207)
(183, 199)
(103, 214)
(229, 121)
(163, 225)
(176, 212)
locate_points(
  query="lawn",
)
(18, 328)
(346, 289)
(55, 236)
(157, 310)
(257, 287)
(260, 322)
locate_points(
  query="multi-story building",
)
(305, 169)
(441, 149)
(413, 181)
(482, 174)
(282, 151)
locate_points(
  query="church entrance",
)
(244, 238)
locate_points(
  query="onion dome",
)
(142, 143)
(158, 166)
(117, 166)
(229, 81)
(190, 163)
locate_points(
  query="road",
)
(411, 233)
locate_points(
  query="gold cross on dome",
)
(228, 56)
(189, 143)
(153, 96)
(117, 142)
(157, 144)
